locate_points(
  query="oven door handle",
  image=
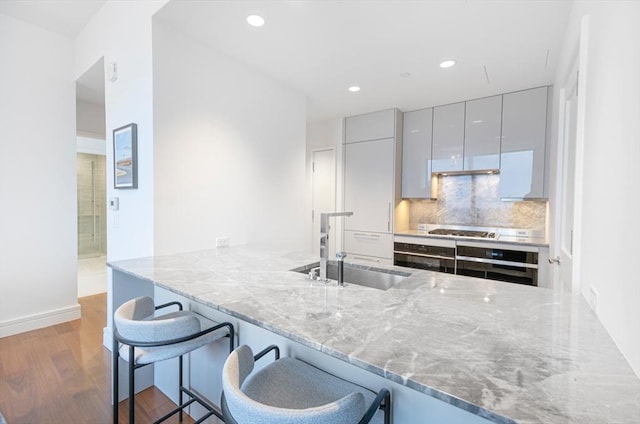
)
(422, 255)
(496, 262)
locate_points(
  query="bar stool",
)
(290, 391)
(140, 338)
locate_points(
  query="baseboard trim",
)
(107, 338)
(36, 321)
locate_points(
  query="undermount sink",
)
(377, 278)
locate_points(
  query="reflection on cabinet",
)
(416, 154)
(371, 183)
(483, 118)
(522, 157)
(370, 126)
(448, 137)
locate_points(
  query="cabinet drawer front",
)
(371, 126)
(364, 243)
(369, 260)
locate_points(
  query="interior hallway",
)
(92, 276)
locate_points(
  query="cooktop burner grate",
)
(462, 233)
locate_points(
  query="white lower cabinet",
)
(364, 246)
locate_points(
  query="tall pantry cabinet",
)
(372, 166)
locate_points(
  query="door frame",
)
(576, 74)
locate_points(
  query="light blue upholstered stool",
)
(2, 420)
(290, 391)
(142, 338)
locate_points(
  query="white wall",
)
(90, 121)
(121, 32)
(37, 178)
(611, 203)
(229, 151)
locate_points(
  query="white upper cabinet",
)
(416, 154)
(522, 158)
(483, 119)
(370, 126)
(448, 137)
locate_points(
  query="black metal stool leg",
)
(180, 386)
(132, 388)
(387, 408)
(115, 379)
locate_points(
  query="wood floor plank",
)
(62, 374)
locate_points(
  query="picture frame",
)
(125, 157)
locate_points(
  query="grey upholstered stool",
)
(141, 338)
(2, 420)
(290, 391)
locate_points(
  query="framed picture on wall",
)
(125, 156)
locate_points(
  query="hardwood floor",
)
(62, 374)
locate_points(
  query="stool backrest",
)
(240, 363)
(135, 321)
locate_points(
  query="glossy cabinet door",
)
(522, 157)
(370, 126)
(368, 185)
(448, 137)
(483, 119)
(416, 154)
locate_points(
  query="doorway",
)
(323, 196)
(566, 243)
(91, 181)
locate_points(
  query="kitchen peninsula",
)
(451, 348)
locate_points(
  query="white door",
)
(324, 195)
(567, 196)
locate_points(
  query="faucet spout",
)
(324, 240)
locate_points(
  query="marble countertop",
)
(507, 352)
(502, 238)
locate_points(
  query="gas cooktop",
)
(462, 233)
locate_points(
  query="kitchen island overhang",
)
(504, 352)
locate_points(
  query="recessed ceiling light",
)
(447, 63)
(405, 74)
(354, 88)
(255, 20)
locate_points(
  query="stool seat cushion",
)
(291, 383)
(289, 391)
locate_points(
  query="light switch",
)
(114, 203)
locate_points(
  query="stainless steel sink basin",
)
(377, 278)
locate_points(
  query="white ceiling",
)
(320, 48)
(66, 17)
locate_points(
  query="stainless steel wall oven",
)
(517, 264)
(438, 255)
(497, 263)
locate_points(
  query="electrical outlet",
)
(422, 227)
(593, 299)
(222, 242)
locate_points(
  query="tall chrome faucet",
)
(324, 240)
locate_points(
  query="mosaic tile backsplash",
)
(473, 200)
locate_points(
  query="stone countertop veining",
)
(506, 352)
